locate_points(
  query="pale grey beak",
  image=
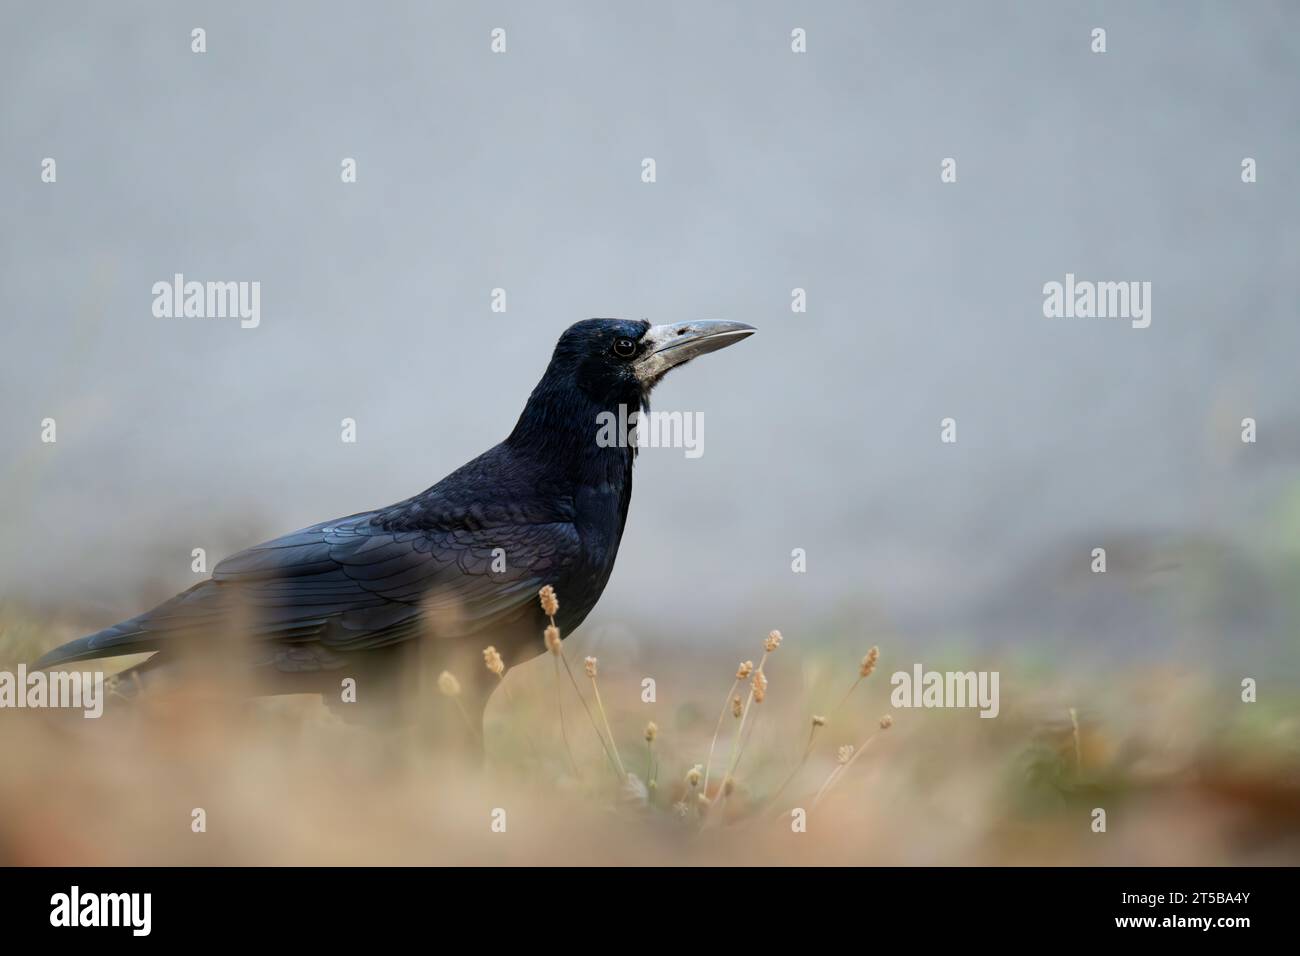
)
(667, 346)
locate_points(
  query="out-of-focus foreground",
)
(1185, 771)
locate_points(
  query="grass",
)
(1187, 773)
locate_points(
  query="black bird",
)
(449, 571)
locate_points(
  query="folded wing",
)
(354, 584)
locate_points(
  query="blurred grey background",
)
(775, 171)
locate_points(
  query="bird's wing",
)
(355, 584)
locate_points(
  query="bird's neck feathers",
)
(562, 424)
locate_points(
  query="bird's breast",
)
(598, 516)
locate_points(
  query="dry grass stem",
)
(550, 605)
(590, 664)
(651, 732)
(818, 722)
(848, 755)
(757, 693)
(449, 686)
(495, 664)
(559, 706)
(1078, 749)
(869, 662)
(741, 673)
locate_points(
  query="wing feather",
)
(354, 584)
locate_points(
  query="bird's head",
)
(602, 364)
(619, 361)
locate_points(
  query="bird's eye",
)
(624, 348)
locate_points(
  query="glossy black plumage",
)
(549, 502)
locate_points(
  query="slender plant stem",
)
(590, 716)
(1078, 750)
(608, 730)
(734, 757)
(468, 723)
(726, 704)
(807, 751)
(564, 734)
(574, 681)
(845, 699)
(510, 702)
(827, 782)
(749, 733)
(843, 768)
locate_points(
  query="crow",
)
(449, 571)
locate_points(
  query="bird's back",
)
(462, 560)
